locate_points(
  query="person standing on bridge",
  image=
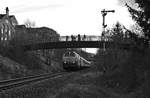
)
(73, 38)
(84, 37)
(67, 38)
(79, 37)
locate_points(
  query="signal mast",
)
(104, 13)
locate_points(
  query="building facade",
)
(7, 27)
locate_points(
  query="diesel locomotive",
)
(72, 60)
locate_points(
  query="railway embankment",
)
(10, 69)
(25, 64)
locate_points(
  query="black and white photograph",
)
(74, 48)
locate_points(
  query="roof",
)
(2, 15)
(41, 30)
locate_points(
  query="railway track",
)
(13, 83)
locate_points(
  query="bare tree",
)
(29, 24)
(137, 30)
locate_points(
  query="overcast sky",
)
(68, 16)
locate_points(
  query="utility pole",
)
(104, 13)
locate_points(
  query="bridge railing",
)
(84, 38)
(67, 38)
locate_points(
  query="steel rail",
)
(23, 78)
(5, 85)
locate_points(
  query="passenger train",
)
(72, 60)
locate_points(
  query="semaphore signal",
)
(104, 13)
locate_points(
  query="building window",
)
(6, 38)
(1, 30)
(6, 21)
(2, 35)
(5, 28)
(2, 38)
(9, 34)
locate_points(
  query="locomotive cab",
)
(70, 60)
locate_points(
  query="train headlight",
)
(73, 62)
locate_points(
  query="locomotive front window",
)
(72, 54)
(66, 54)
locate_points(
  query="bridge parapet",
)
(68, 39)
(84, 38)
